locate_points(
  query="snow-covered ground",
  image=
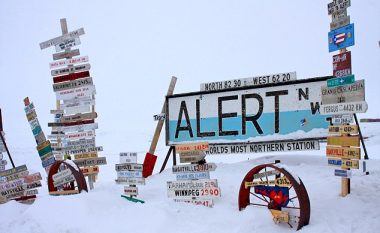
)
(103, 210)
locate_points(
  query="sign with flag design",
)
(341, 38)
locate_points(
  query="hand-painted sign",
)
(128, 157)
(344, 129)
(90, 170)
(132, 191)
(344, 94)
(159, 117)
(129, 174)
(266, 174)
(64, 180)
(341, 81)
(342, 64)
(253, 81)
(337, 5)
(14, 170)
(343, 173)
(62, 174)
(343, 152)
(86, 155)
(247, 114)
(344, 108)
(67, 44)
(343, 141)
(337, 15)
(79, 135)
(72, 69)
(201, 146)
(128, 167)
(67, 62)
(57, 40)
(207, 203)
(79, 117)
(66, 54)
(72, 84)
(342, 119)
(83, 127)
(91, 162)
(183, 193)
(194, 168)
(79, 92)
(340, 23)
(280, 216)
(334, 162)
(131, 181)
(191, 156)
(192, 176)
(353, 164)
(189, 184)
(262, 147)
(280, 195)
(281, 182)
(341, 38)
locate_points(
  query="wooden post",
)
(3, 140)
(157, 132)
(345, 180)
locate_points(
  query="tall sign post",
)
(73, 129)
(343, 97)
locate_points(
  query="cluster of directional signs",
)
(343, 96)
(193, 183)
(130, 172)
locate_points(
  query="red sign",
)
(71, 77)
(79, 122)
(342, 64)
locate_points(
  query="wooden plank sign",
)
(188, 184)
(91, 162)
(340, 23)
(132, 191)
(67, 62)
(343, 141)
(183, 193)
(344, 129)
(191, 156)
(266, 174)
(279, 216)
(71, 69)
(79, 135)
(343, 173)
(341, 81)
(83, 127)
(342, 119)
(78, 104)
(79, 117)
(354, 92)
(337, 5)
(72, 84)
(86, 155)
(128, 157)
(129, 167)
(193, 176)
(64, 180)
(129, 174)
(66, 54)
(282, 182)
(90, 170)
(62, 174)
(57, 40)
(344, 108)
(79, 92)
(343, 152)
(353, 164)
(66, 44)
(342, 64)
(14, 170)
(207, 167)
(203, 146)
(131, 181)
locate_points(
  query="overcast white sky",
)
(136, 46)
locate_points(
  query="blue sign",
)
(341, 81)
(341, 38)
(342, 173)
(334, 162)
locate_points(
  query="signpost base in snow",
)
(133, 199)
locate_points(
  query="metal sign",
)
(129, 167)
(247, 114)
(340, 23)
(67, 62)
(342, 64)
(66, 54)
(343, 152)
(341, 38)
(79, 92)
(66, 44)
(91, 162)
(56, 40)
(262, 147)
(128, 157)
(337, 5)
(343, 173)
(207, 167)
(190, 184)
(253, 81)
(344, 108)
(72, 69)
(341, 81)
(342, 119)
(343, 94)
(72, 84)
(193, 176)
(194, 192)
(343, 141)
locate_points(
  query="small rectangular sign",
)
(252, 81)
(266, 174)
(341, 38)
(207, 167)
(159, 117)
(334, 162)
(90, 170)
(343, 141)
(340, 23)
(195, 201)
(91, 162)
(193, 176)
(66, 44)
(131, 181)
(281, 182)
(129, 174)
(194, 192)
(62, 174)
(65, 180)
(189, 184)
(203, 146)
(341, 81)
(67, 62)
(72, 84)
(354, 92)
(132, 191)
(129, 167)
(353, 164)
(128, 157)
(79, 92)
(344, 129)
(66, 54)
(343, 173)
(83, 127)
(48, 161)
(342, 64)
(80, 135)
(71, 69)
(86, 155)
(14, 170)
(263, 147)
(342, 119)
(344, 108)
(191, 156)
(56, 40)
(79, 117)
(337, 5)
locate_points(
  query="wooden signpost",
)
(342, 97)
(193, 183)
(73, 129)
(130, 172)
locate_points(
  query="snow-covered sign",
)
(252, 81)
(343, 173)
(267, 113)
(59, 39)
(128, 157)
(262, 147)
(67, 62)
(194, 168)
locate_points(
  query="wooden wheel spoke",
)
(258, 204)
(261, 198)
(290, 207)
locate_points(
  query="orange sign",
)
(90, 170)
(343, 152)
(343, 141)
(191, 147)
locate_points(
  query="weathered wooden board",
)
(57, 40)
(79, 117)
(79, 92)
(90, 170)
(91, 162)
(336, 6)
(66, 54)
(201, 146)
(353, 164)
(266, 174)
(129, 174)
(343, 152)
(62, 174)
(194, 168)
(66, 44)
(343, 94)
(67, 62)
(65, 180)
(72, 84)
(71, 69)
(344, 108)
(344, 129)
(343, 141)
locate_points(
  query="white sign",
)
(67, 70)
(344, 108)
(277, 112)
(128, 157)
(131, 181)
(129, 174)
(194, 192)
(207, 167)
(80, 135)
(191, 184)
(342, 119)
(56, 40)
(79, 92)
(262, 147)
(62, 174)
(67, 62)
(67, 44)
(72, 84)
(83, 127)
(132, 191)
(253, 81)
(77, 110)
(64, 180)
(129, 167)
(193, 176)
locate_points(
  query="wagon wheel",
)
(77, 185)
(272, 187)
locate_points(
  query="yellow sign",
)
(344, 129)
(353, 164)
(343, 141)
(86, 155)
(334, 129)
(343, 152)
(90, 170)
(280, 216)
(191, 147)
(43, 145)
(282, 182)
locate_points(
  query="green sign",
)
(341, 81)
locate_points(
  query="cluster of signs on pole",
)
(193, 183)
(342, 96)
(130, 172)
(44, 146)
(73, 129)
(17, 184)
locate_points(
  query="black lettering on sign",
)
(276, 95)
(314, 108)
(254, 118)
(182, 110)
(304, 94)
(199, 133)
(222, 115)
